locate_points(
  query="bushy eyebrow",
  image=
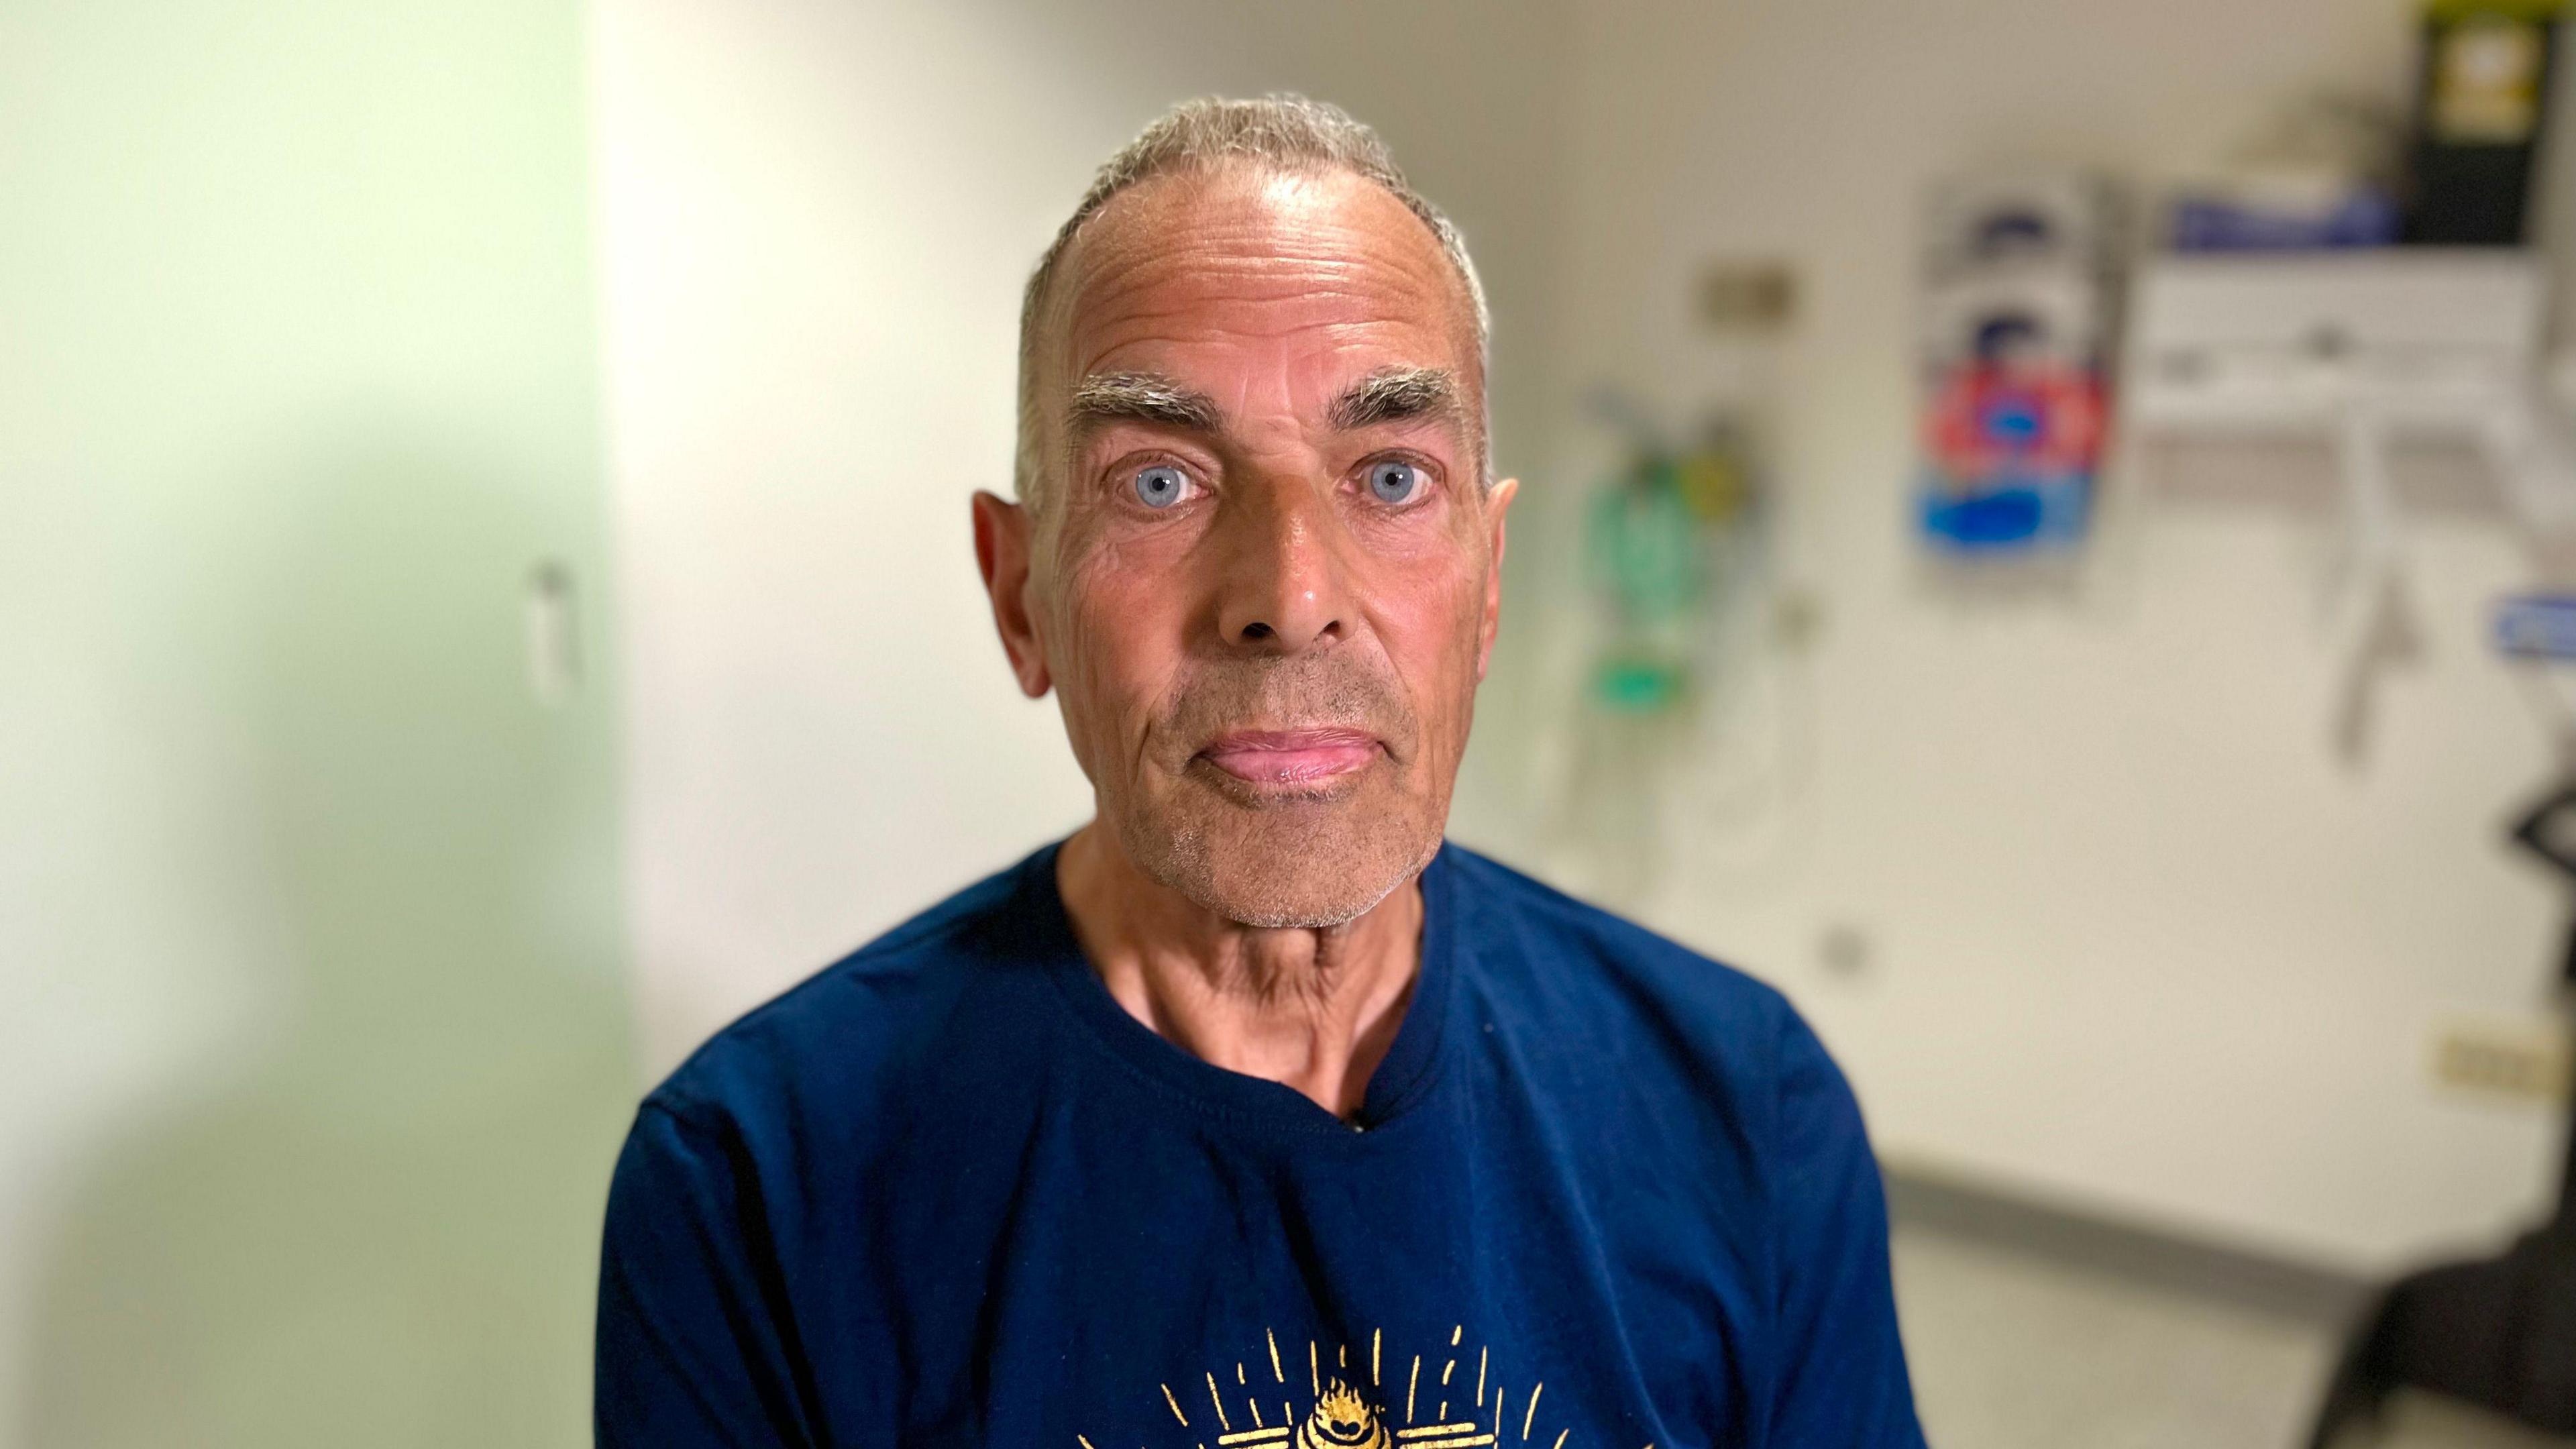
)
(1388, 395)
(1396, 395)
(1141, 397)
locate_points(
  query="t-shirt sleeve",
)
(1842, 1382)
(693, 1345)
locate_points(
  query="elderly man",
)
(1253, 1113)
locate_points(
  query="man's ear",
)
(1498, 501)
(1002, 546)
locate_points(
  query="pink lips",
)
(1291, 757)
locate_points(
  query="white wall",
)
(817, 218)
(2139, 941)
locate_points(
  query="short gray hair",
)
(1282, 132)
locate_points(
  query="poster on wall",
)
(2015, 353)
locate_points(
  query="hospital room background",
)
(2046, 534)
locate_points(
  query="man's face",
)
(1266, 578)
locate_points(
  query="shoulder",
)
(845, 1034)
(1597, 983)
(1574, 947)
(1699, 1068)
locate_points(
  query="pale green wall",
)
(316, 1049)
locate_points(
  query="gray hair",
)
(1282, 131)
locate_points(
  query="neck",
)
(1312, 1008)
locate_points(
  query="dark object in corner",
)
(2500, 1332)
(2481, 99)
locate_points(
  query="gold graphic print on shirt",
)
(1362, 1397)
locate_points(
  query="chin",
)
(1291, 864)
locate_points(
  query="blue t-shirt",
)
(1603, 1193)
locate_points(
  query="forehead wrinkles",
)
(1304, 252)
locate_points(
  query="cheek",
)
(1122, 636)
(1430, 619)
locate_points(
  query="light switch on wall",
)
(553, 633)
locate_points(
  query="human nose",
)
(1285, 588)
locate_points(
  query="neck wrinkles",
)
(1313, 1009)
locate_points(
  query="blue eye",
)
(1394, 481)
(1160, 486)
